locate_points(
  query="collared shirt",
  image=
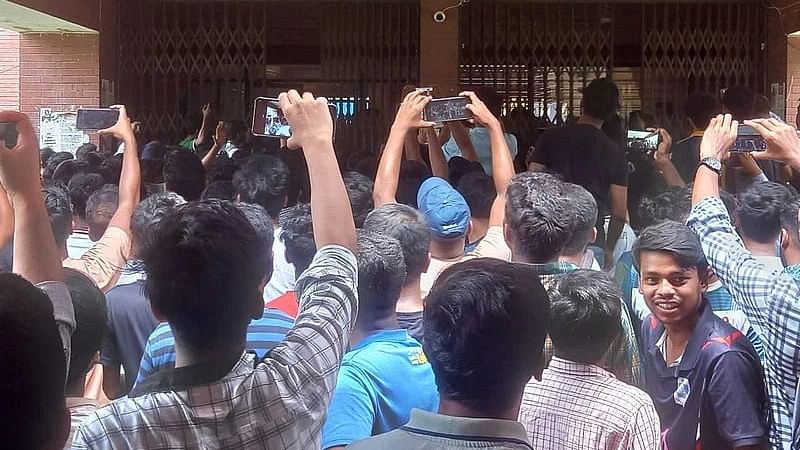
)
(769, 298)
(622, 357)
(105, 260)
(78, 243)
(436, 431)
(278, 402)
(382, 379)
(715, 396)
(581, 406)
(263, 334)
(283, 272)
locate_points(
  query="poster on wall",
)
(57, 131)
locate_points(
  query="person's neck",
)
(187, 356)
(366, 326)
(456, 409)
(589, 120)
(791, 255)
(760, 248)
(479, 229)
(519, 257)
(574, 259)
(678, 334)
(444, 250)
(80, 224)
(410, 297)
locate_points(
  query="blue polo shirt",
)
(715, 397)
(381, 380)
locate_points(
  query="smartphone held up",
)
(645, 141)
(449, 109)
(94, 119)
(269, 121)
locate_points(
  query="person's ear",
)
(238, 198)
(704, 279)
(508, 236)
(785, 238)
(594, 235)
(427, 263)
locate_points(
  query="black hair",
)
(479, 192)
(412, 175)
(600, 99)
(584, 212)
(150, 212)
(411, 230)
(32, 365)
(263, 180)
(675, 238)
(730, 202)
(111, 169)
(297, 234)
(68, 169)
(458, 167)
(381, 275)
(474, 309)
(81, 187)
(45, 153)
(184, 174)
(701, 108)
(538, 214)
(491, 98)
(89, 303)
(204, 265)
(760, 209)
(359, 190)
(237, 131)
(261, 222)
(100, 208)
(740, 101)
(585, 314)
(53, 162)
(223, 169)
(59, 210)
(87, 153)
(673, 203)
(222, 190)
(789, 219)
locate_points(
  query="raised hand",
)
(309, 118)
(719, 137)
(480, 111)
(19, 166)
(409, 116)
(123, 128)
(783, 144)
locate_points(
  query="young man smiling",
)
(703, 375)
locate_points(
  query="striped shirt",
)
(262, 336)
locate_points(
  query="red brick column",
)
(58, 71)
(792, 78)
(9, 70)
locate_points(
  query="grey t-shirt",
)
(412, 321)
(130, 322)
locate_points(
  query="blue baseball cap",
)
(445, 208)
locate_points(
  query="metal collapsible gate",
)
(174, 56)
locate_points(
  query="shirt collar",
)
(563, 366)
(133, 272)
(393, 335)
(554, 268)
(703, 328)
(183, 378)
(794, 271)
(465, 428)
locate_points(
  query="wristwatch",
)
(713, 164)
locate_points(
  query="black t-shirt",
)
(412, 321)
(583, 155)
(686, 157)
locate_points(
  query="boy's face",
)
(672, 293)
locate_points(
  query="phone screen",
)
(269, 121)
(93, 119)
(643, 140)
(8, 134)
(748, 140)
(447, 109)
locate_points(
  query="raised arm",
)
(203, 133)
(461, 136)
(502, 163)
(6, 218)
(411, 147)
(663, 160)
(409, 117)
(131, 179)
(220, 138)
(312, 128)
(436, 156)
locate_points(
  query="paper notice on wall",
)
(57, 131)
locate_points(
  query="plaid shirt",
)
(769, 298)
(622, 357)
(581, 406)
(278, 402)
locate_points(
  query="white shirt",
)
(483, 147)
(78, 243)
(283, 278)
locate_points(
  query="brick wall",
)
(59, 71)
(9, 70)
(792, 78)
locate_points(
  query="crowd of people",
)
(223, 293)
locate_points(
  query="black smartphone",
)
(8, 134)
(748, 140)
(93, 119)
(643, 140)
(269, 121)
(447, 109)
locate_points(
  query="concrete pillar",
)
(439, 50)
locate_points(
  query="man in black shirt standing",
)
(584, 155)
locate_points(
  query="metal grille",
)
(175, 55)
(538, 56)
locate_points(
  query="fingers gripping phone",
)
(8, 134)
(93, 119)
(643, 140)
(748, 140)
(269, 120)
(447, 109)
